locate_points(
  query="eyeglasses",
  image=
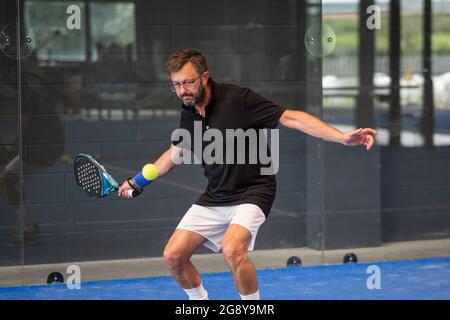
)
(187, 84)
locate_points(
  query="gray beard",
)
(197, 99)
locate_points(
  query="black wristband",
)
(133, 184)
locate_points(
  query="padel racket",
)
(93, 179)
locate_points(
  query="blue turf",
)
(408, 279)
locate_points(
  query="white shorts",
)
(212, 222)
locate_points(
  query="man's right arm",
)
(164, 162)
(164, 165)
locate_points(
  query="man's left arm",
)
(313, 126)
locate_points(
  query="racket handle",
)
(133, 193)
(130, 192)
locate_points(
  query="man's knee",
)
(174, 257)
(180, 247)
(233, 253)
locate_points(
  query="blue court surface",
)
(407, 280)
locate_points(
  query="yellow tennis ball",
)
(150, 171)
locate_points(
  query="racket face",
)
(92, 178)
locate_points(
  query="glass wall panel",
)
(89, 76)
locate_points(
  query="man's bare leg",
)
(177, 253)
(235, 251)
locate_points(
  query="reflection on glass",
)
(109, 33)
(113, 31)
(9, 160)
(403, 71)
(340, 69)
(42, 145)
(54, 40)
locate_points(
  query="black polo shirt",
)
(234, 107)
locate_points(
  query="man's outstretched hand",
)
(362, 136)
